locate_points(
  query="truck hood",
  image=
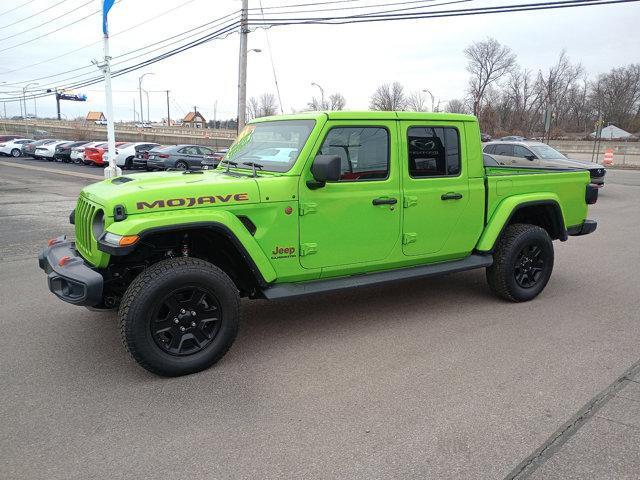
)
(163, 191)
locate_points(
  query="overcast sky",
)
(350, 59)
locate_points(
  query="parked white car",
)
(77, 153)
(14, 147)
(127, 152)
(48, 151)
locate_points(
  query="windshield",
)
(546, 152)
(273, 145)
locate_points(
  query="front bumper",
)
(585, 228)
(73, 281)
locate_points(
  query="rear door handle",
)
(451, 196)
(384, 201)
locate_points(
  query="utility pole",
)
(242, 66)
(134, 110)
(57, 103)
(168, 113)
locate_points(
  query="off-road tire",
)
(157, 283)
(15, 153)
(502, 274)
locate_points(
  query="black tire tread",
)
(495, 274)
(146, 278)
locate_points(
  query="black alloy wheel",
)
(186, 321)
(530, 265)
(182, 165)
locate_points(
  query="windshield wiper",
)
(253, 165)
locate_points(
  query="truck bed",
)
(566, 186)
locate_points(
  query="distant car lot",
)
(129, 155)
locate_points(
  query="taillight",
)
(163, 155)
(591, 195)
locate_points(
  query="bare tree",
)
(616, 95)
(456, 106)
(337, 101)
(263, 106)
(388, 98)
(488, 62)
(554, 86)
(416, 102)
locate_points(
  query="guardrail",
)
(39, 124)
(124, 132)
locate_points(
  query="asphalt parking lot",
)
(430, 379)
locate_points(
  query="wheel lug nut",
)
(182, 329)
(193, 314)
(183, 311)
(175, 320)
(193, 324)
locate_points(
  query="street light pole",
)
(24, 99)
(242, 66)
(433, 101)
(140, 91)
(321, 93)
(148, 114)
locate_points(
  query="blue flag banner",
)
(106, 6)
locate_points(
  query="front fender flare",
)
(505, 210)
(144, 225)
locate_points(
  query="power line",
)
(273, 67)
(34, 14)
(111, 36)
(221, 33)
(389, 15)
(379, 16)
(212, 24)
(354, 7)
(16, 8)
(51, 32)
(48, 21)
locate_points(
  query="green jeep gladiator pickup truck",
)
(304, 204)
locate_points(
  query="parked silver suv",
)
(536, 154)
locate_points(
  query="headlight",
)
(119, 240)
(98, 224)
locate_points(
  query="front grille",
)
(85, 210)
(597, 172)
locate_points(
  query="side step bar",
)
(286, 290)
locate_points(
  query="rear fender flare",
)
(509, 206)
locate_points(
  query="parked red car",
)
(93, 155)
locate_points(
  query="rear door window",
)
(433, 151)
(504, 149)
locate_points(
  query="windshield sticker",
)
(243, 139)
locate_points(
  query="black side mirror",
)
(325, 168)
(530, 157)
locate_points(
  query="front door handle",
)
(384, 201)
(451, 196)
